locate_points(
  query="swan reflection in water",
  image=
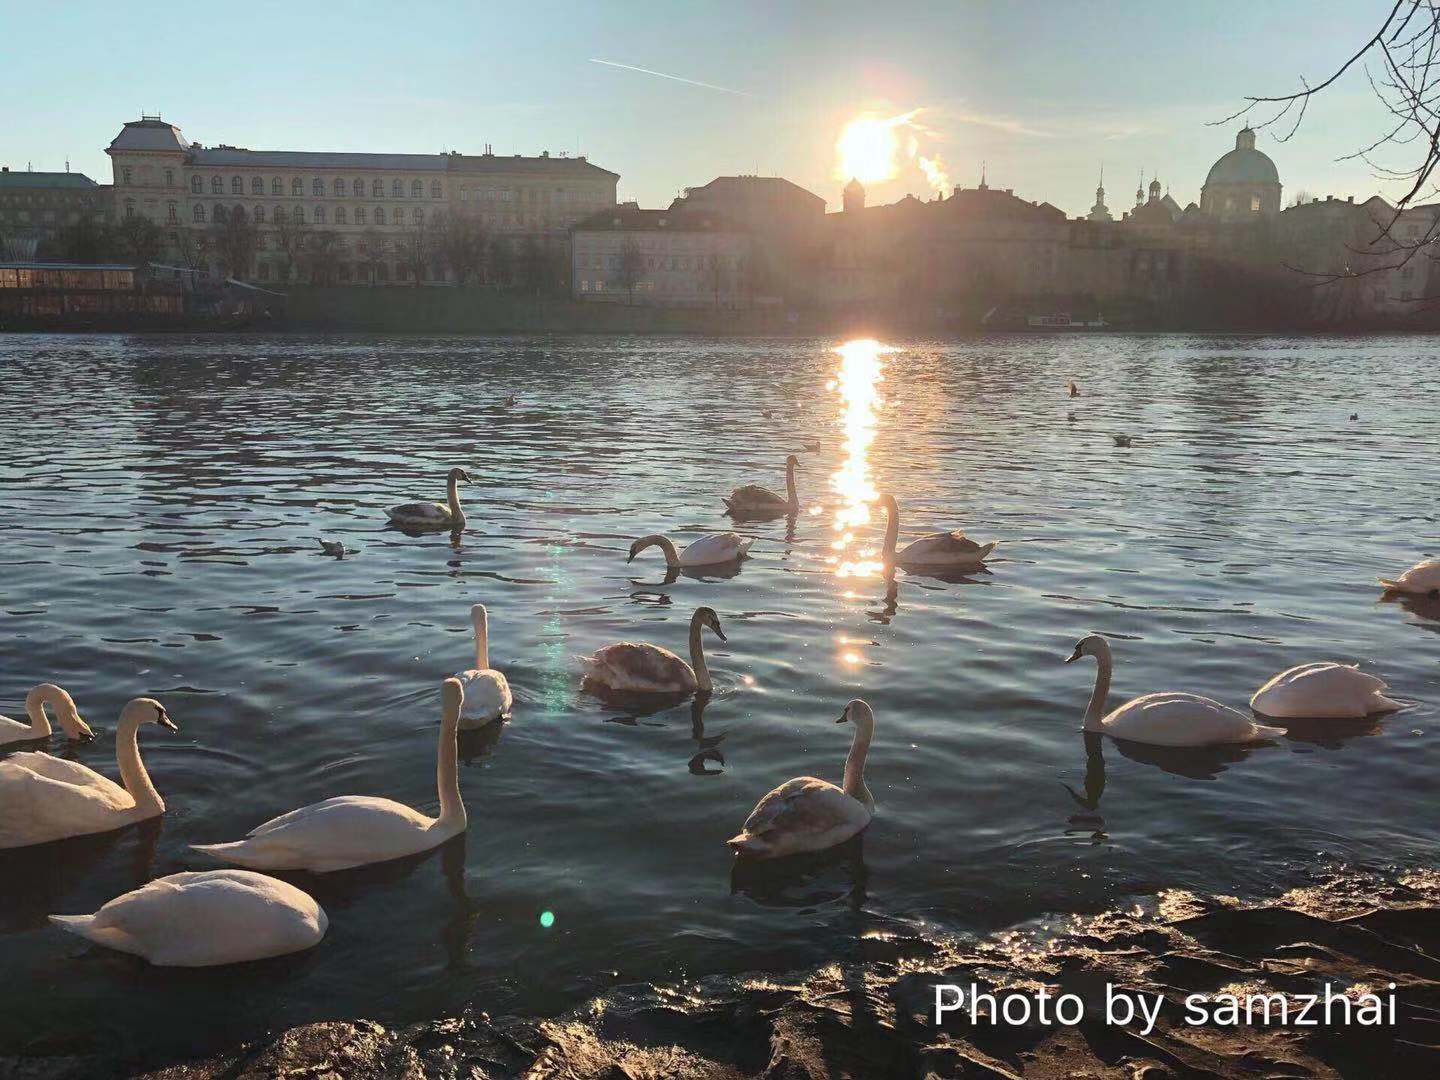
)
(1423, 607)
(638, 708)
(809, 879)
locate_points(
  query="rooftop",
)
(313, 159)
(148, 133)
(544, 165)
(45, 179)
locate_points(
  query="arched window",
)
(296, 187)
(219, 211)
(200, 212)
(216, 185)
(259, 215)
(257, 185)
(379, 215)
(417, 189)
(397, 189)
(238, 212)
(237, 185)
(435, 189)
(298, 215)
(358, 187)
(360, 215)
(377, 189)
(418, 214)
(340, 215)
(197, 185)
(319, 215)
(276, 187)
(277, 215)
(317, 186)
(339, 187)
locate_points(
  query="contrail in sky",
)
(664, 75)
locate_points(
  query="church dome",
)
(1244, 164)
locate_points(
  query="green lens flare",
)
(547, 919)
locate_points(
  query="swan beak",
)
(843, 717)
(1073, 656)
(721, 634)
(165, 722)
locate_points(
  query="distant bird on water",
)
(1072, 389)
(509, 401)
(1122, 440)
(1354, 416)
(332, 547)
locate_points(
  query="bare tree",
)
(371, 250)
(194, 248)
(416, 249)
(290, 235)
(632, 265)
(1402, 65)
(235, 241)
(461, 242)
(321, 257)
(139, 240)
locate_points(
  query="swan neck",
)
(892, 529)
(132, 770)
(1093, 714)
(697, 657)
(854, 785)
(447, 778)
(672, 557)
(452, 495)
(790, 496)
(35, 712)
(482, 642)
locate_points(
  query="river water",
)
(158, 500)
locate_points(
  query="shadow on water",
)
(1191, 762)
(808, 880)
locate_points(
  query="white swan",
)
(429, 515)
(1163, 719)
(630, 667)
(806, 814)
(44, 798)
(353, 830)
(752, 500)
(205, 919)
(13, 731)
(1422, 579)
(487, 693)
(712, 549)
(937, 551)
(1323, 691)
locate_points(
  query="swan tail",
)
(1380, 703)
(986, 549)
(1388, 583)
(746, 843)
(74, 924)
(1266, 731)
(239, 852)
(84, 926)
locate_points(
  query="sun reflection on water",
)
(857, 383)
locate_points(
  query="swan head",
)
(452, 699)
(792, 463)
(641, 544)
(889, 505)
(1090, 645)
(65, 711)
(458, 475)
(478, 615)
(859, 713)
(706, 616)
(144, 710)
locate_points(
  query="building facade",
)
(669, 258)
(36, 207)
(344, 217)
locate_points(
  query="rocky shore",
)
(871, 1014)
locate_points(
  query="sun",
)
(869, 148)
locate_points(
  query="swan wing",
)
(487, 696)
(801, 814)
(39, 807)
(1177, 719)
(755, 495)
(1322, 690)
(207, 918)
(349, 830)
(715, 548)
(420, 511)
(945, 548)
(639, 667)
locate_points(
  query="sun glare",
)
(870, 147)
(857, 383)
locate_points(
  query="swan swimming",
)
(752, 500)
(13, 731)
(354, 830)
(204, 919)
(487, 693)
(1422, 579)
(44, 798)
(1164, 719)
(712, 549)
(938, 551)
(630, 667)
(1323, 691)
(806, 814)
(429, 515)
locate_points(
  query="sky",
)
(1041, 94)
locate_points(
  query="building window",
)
(339, 187)
(259, 215)
(125, 175)
(319, 215)
(199, 212)
(435, 189)
(216, 185)
(296, 187)
(298, 215)
(219, 212)
(358, 187)
(257, 185)
(172, 215)
(317, 186)
(360, 215)
(340, 215)
(195, 185)
(397, 189)
(379, 215)
(418, 214)
(277, 215)
(377, 189)
(237, 186)
(169, 177)
(276, 187)
(417, 189)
